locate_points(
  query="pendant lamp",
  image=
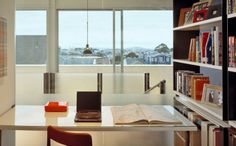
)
(87, 49)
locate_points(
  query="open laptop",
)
(88, 107)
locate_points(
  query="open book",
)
(142, 114)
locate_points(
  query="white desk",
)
(26, 117)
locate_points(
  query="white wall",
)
(7, 83)
(29, 90)
(29, 85)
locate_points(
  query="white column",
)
(114, 42)
(52, 30)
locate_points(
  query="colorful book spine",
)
(198, 88)
(205, 37)
(231, 51)
(209, 50)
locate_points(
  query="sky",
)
(146, 29)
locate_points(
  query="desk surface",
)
(32, 117)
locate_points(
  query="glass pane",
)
(31, 37)
(148, 37)
(73, 37)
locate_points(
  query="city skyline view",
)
(147, 37)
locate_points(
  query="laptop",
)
(88, 107)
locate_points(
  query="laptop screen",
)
(88, 100)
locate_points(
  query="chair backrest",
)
(68, 138)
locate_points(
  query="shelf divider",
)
(213, 114)
(184, 61)
(195, 26)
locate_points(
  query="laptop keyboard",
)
(89, 115)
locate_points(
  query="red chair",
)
(68, 138)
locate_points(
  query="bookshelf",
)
(232, 123)
(219, 74)
(232, 72)
(213, 114)
(185, 61)
(231, 69)
(232, 16)
(182, 36)
(197, 25)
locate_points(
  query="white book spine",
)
(216, 44)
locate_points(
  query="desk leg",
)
(0, 137)
(8, 138)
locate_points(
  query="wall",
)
(29, 90)
(29, 84)
(7, 83)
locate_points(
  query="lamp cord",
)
(87, 22)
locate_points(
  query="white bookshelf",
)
(232, 15)
(232, 123)
(231, 69)
(211, 113)
(196, 25)
(198, 64)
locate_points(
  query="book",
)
(216, 45)
(185, 81)
(198, 86)
(232, 136)
(198, 51)
(179, 79)
(189, 83)
(209, 50)
(142, 114)
(181, 138)
(232, 51)
(205, 38)
(218, 137)
(204, 132)
(194, 136)
(193, 87)
(215, 136)
(192, 50)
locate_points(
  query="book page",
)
(128, 114)
(158, 115)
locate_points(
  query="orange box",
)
(54, 106)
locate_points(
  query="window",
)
(31, 37)
(73, 37)
(147, 37)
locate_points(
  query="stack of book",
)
(207, 134)
(207, 47)
(232, 136)
(190, 83)
(232, 51)
(231, 6)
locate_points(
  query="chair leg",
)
(48, 142)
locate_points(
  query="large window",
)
(31, 37)
(147, 37)
(73, 37)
